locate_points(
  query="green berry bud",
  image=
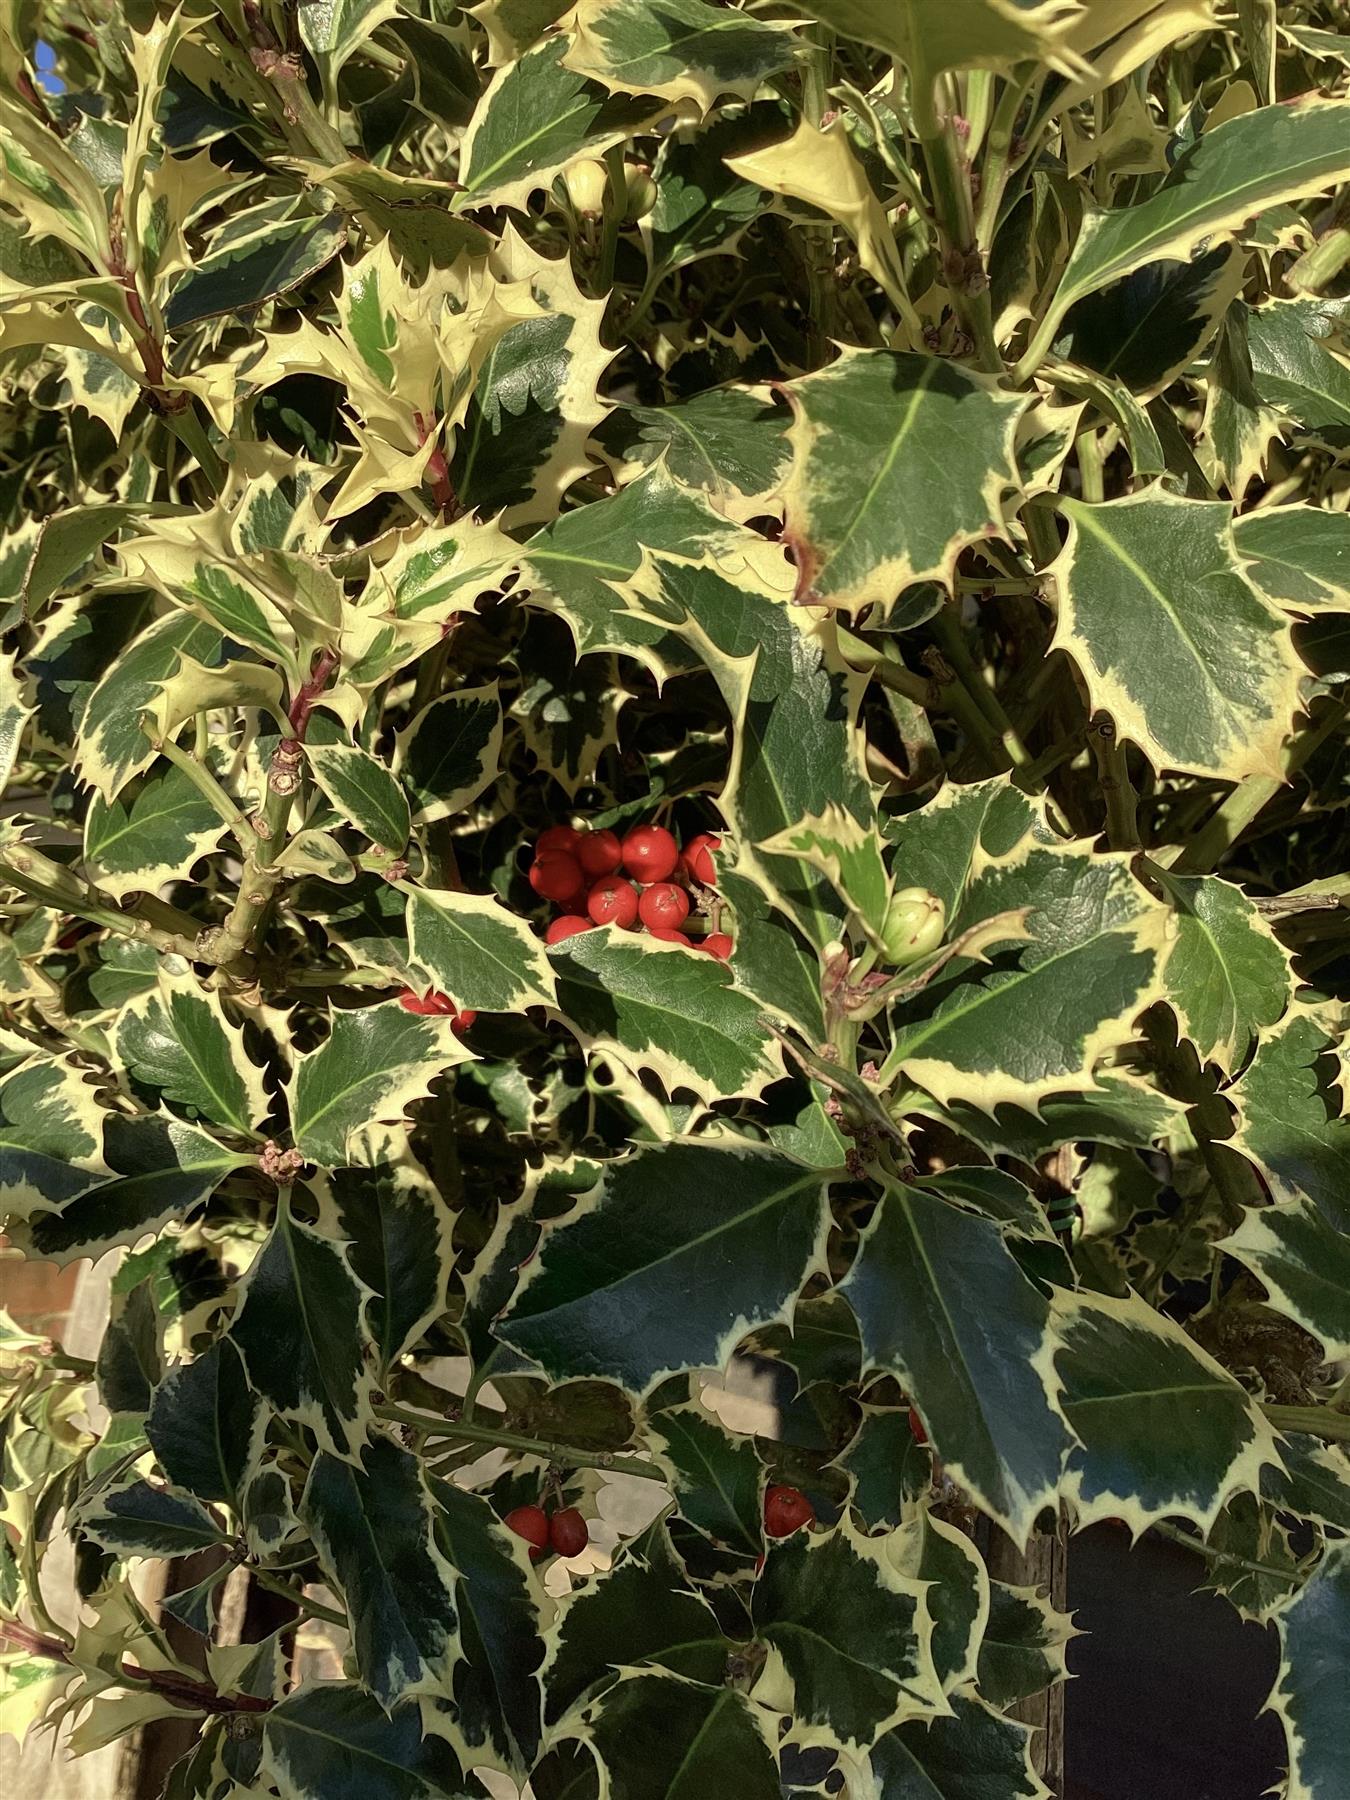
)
(641, 193)
(915, 922)
(586, 183)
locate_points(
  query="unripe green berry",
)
(586, 182)
(915, 922)
(641, 197)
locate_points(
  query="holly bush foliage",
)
(904, 438)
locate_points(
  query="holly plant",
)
(673, 695)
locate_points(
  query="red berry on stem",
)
(419, 1003)
(718, 944)
(650, 853)
(664, 907)
(786, 1509)
(916, 1427)
(462, 1020)
(599, 853)
(559, 837)
(530, 1523)
(568, 1532)
(698, 858)
(556, 875)
(613, 901)
(670, 937)
(562, 929)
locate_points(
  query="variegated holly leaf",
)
(253, 259)
(336, 1725)
(940, 1303)
(472, 947)
(657, 1734)
(1022, 1646)
(792, 700)
(1156, 609)
(363, 791)
(730, 443)
(580, 564)
(1314, 1483)
(596, 1300)
(522, 439)
(1295, 366)
(930, 1550)
(205, 1424)
(495, 1684)
(1163, 1430)
(374, 1062)
(334, 30)
(142, 840)
(640, 1613)
(972, 1751)
(399, 1232)
(177, 1042)
(889, 1468)
(449, 753)
(145, 1520)
(51, 1134)
(702, 206)
(1299, 556)
(1307, 1695)
(162, 1170)
(1226, 974)
(899, 462)
(936, 847)
(714, 1475)
(372, 1526)
(849, 1638)
(1290, 1119)
(1143, 331)
(848, 854)
(659, 1007)
(681, 50)
(111, 746)
(986, 33)
(1088, 961)
(301, 1330)
(1228, 175)
(1303, 1262)
(536, 116)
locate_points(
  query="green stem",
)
(950, 187)
(567, 1454)
(191, 433)
(314, 1608)
(51, 885)
(616, 199)
(1249, 798)
(998, 158)
(1317, 1421)
(950, 635)
(1322, 264)
(1201, 1548)
(1113, 777)
(204, 781)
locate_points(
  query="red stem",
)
(437, 476)
(178, 1688)
(303, 704)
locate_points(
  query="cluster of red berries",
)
(437, 1006)
(566, 1532)
(579, 871)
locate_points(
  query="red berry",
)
(718, 944)
(670, 937)
(559, 837)
(599, 853)
(562, 929)
(664, 907)
(530, 1523)
(698, 858)
(613, 901)
(650, 853)
(568, 1532)
(434, 1005)
(786, 1509)
(917, 1431)
(556, 875)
